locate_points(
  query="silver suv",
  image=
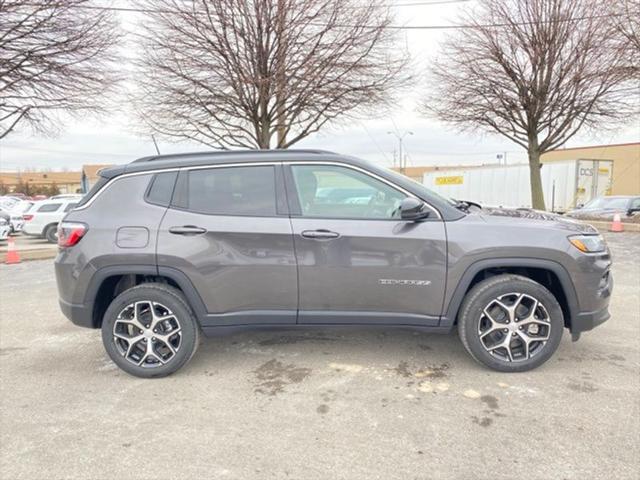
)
(168, 247)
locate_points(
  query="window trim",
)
(179, 185)
(296, 209)
(282, 164)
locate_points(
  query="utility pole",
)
(401, 161)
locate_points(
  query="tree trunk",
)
(280, 77)
(537, 197)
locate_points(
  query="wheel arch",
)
(46, 227)
(550, 274)
(108, 282)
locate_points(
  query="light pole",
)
(400, 137)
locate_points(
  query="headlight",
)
(588, 243)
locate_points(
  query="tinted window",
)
(635, 204)
(161, 188)
(70, 207)
(231, 191)
(49, 207)
(340, 192)
(607, 203)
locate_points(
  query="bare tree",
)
(625, 15)
(54, 58)
(534, 71)
(237, 73)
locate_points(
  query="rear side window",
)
(161, 188)
(49, 207)
(70, 207)
(229, 191)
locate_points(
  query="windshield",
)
(424, 191)
(606, 203)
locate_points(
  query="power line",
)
(388, 27)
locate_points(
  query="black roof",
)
(177, 160)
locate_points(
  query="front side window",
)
(230, 191)
(49, 207)
(338, 192)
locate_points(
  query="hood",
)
(543, 219)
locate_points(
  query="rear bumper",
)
(79, 315)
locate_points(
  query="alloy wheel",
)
(514, 327)
(147, 334)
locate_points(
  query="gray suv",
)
(169, 247)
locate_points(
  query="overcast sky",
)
(108, 139)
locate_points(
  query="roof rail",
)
(177, 156)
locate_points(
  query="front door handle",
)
(187, 230)
(320, 234)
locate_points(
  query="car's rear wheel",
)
(51, 234)
(510, 323)
(150, 330)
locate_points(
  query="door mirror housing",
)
(579, 206)
(413, 209)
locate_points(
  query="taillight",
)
(70, 234)
(27, 218)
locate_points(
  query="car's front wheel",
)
(510, 323)
(150, 330)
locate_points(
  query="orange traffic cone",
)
(12, 254)
(616, 225)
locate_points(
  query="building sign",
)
(456, 180)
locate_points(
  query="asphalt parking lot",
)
(330, 403)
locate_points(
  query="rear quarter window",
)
(160, 188)
(49, 207)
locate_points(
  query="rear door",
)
(228, 230)
(357, 261)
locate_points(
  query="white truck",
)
(566, 184)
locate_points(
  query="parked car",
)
(21, 196)
(604, 208)
(67, 196)
(220, 242)
(5, 226)
(15, 208)
(43, 217)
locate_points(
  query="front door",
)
(357, 261)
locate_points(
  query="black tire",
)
(165, 296)
(51, 233)
(471, 315)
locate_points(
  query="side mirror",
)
(631, 211)
(580, 205)
(413, 209)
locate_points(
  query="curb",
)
(605, 226)
(35, 254)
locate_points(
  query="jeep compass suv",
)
(168, 247)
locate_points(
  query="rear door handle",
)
(187, 230)
(320, 234)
